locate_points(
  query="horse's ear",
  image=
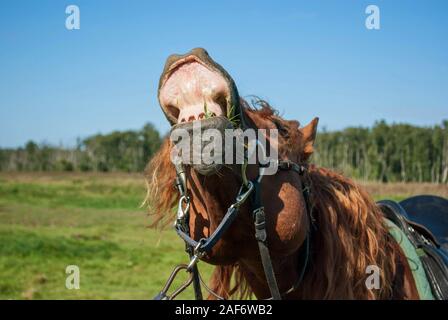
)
(308, 136)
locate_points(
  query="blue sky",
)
(307, 58)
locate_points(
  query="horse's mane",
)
(350, 234)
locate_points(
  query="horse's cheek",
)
(288, 222)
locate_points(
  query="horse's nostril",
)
(191, 118)
(201, 116)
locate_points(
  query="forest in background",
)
(126, 151)
(384, 152)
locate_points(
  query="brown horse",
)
(349, 235)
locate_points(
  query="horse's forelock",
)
(290, 137)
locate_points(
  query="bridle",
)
(250, 189)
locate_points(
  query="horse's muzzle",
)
(201, 144)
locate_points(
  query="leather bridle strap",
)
(206, 244)
(181, 185)
(259, 217)
(261, 237)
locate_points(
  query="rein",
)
(197, 249)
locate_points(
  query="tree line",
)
(126, 151)
(383, 152)
(387, 152)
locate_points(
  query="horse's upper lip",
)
(193, 90)
(178, 63)
(211, 85)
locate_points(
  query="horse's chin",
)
(199, 141)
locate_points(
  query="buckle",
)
(242, 197)
(197, 254)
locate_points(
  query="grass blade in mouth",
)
(207, 114)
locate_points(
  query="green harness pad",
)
(413, 256)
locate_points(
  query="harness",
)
(412, 255)
(422, 250)
(250, 189)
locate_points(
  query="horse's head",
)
(194, 89)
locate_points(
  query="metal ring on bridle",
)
(197, 254)
(242, 196)
(181, 211)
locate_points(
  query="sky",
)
(307, 58)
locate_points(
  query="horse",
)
(321, 242)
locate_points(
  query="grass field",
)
(50, 221)
(93, 221)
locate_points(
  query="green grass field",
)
(92, 221)
(50, 221)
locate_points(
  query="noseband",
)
(197, 249)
